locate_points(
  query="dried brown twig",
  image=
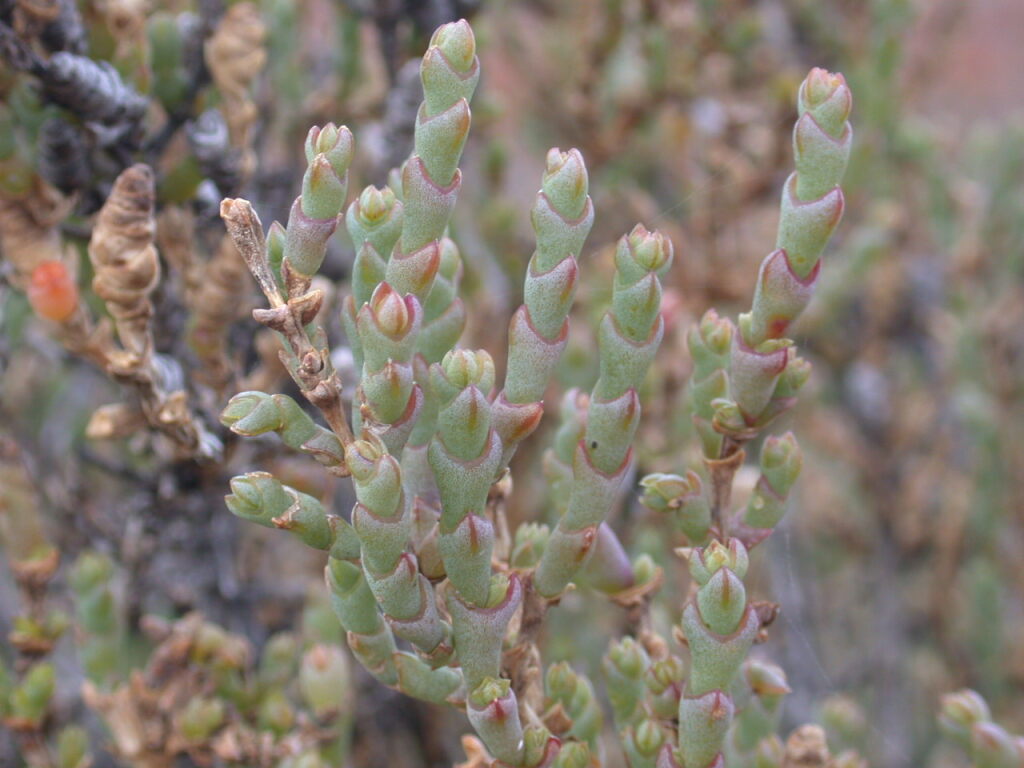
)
(311, 368)
(235, 55)
(214, 289)
(127, 270)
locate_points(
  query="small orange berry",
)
(51, 291)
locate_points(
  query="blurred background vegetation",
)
(899, 567)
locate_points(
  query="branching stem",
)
(311, 368)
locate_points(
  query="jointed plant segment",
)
(436, 600)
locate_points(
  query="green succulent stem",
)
(436, 597)
(628, 337)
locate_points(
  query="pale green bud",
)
(277, 664)
(960, 712)
(628, 658)
(651, 251)
(31, 699)
(827, 98)
(325, 681)
(335, 144)
(565, 182)
(573, 754)
(393, 314)
(200, 718)
(457, 43)
(648, 737)
(706, 561)
(276, 713)
(73, 748)
(781, 460)
(465, 368)
(363, 456)
(375, 205)
(529, 544)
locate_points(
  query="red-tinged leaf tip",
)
(52, 292)
(473, 529)
(569, 284)
(534, 412)
(587, 542)
(727, 589)
(777, 327)
(285, 523)
(721, 706)
(408, 562)
(629, 414)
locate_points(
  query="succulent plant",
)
(478, 558)
(965, 719)
(432, 433)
